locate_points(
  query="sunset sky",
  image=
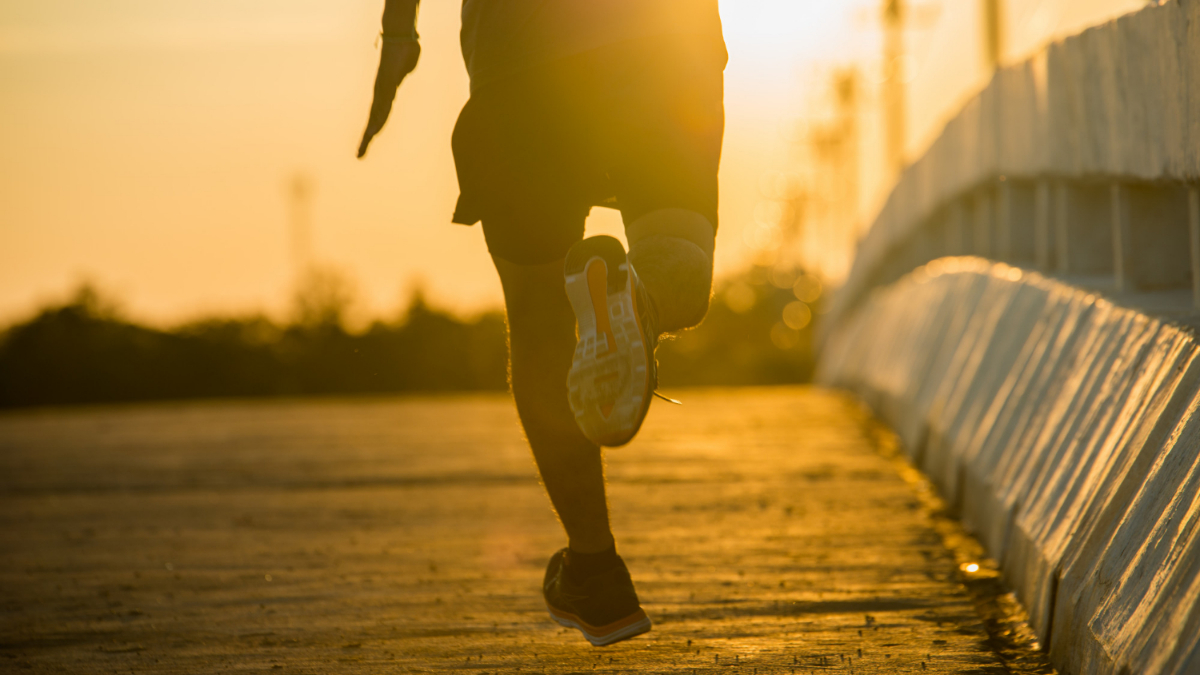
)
(148, 145)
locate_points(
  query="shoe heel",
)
(604, 247)
(581, 302)
(584, 300)
(609, 368)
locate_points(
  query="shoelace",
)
(668, 399)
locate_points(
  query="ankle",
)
(582, 566)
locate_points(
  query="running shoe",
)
(604, 608)
(613, 373)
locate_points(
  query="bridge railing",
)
(1082, 162)
(1062, 427)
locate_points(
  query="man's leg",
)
(672, 251)
(541, 337)
(588, 586)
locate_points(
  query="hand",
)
(397, 59)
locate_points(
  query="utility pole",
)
(897, 16)
(300, 191)
(846, 86)
(993, 33)
(894, 100)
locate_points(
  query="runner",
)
(575, 104)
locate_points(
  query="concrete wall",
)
(1062, 427)
(1079, 161)
(1063, 430)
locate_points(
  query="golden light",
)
(740, 297)
(807, 288)
(797, 315)
(784, 337)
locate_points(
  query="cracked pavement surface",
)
(764, 530)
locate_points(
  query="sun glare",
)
(147, 143)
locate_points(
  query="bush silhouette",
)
(85, 351)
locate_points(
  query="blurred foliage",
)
(758, 331)
(83, 352)
(746, 338)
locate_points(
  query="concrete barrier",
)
(1063, 429)
(1081, 161)
(1059, 424)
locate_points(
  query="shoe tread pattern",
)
(608, 385)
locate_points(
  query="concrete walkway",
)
(764, 530)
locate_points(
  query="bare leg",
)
(541, 342)
(672, 251)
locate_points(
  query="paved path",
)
(765, 533)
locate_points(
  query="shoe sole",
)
(609, 381)
(633, 625)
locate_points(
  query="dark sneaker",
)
(613, 373)
(604, 608)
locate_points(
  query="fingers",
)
(368, 134)
(381, 108)
(395, 63)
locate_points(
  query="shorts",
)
(636, 126)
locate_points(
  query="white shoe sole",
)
(609, 379)
(600, 637)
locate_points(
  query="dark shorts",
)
(636, 126)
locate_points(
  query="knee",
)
(537, 337)
(678, 274)
(675, 223)
(694, 307)
(537, 309)
(540, 392)
(690, 313)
